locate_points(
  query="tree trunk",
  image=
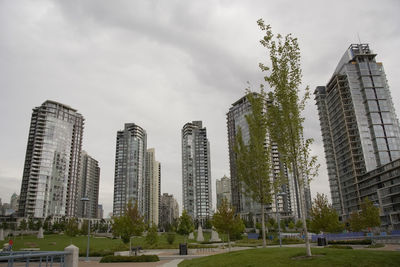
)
(229, 243)
(263, 225)
(303, 216)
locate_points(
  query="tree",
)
(324, 217)
(72, 228)
(23, 225)
(291, 225)
(226, 222)
(253, 159)
(185, 226)
(355, 221)
(366, 218)
(370, 214)
(152, 235)
(285, 122)
(128, 225)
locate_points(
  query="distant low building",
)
(169, 211)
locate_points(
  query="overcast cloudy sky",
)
(163, 63)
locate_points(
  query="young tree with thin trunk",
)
(284, 111)
(225, 221)
(253, 159)
(186, 225)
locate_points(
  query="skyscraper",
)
(51, 170)
(196, 171)
(152, 188)
(359, 126)
(130, 171)
(88, 186)
(288, 203)
(223, 188)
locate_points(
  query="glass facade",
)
(359, 126)
(51, 171)
(130, 170)
(196, 171)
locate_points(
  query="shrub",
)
(142, 258)
(377, 245)
(351, 242)
(338, 246)
(152, 236)
(171, 238)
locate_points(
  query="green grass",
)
(284, 257)
(98, 246)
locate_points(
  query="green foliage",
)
(299, 225)
(377, 245)
(284, 107)
(339, 247)
(23, 225)
(208, 224)
(291, 225)
(324, 216)
(226, 222)
(370, 214)
(72, 228)
(351, 242)
(152, 235)
(283, 225)
(128, 225)
(142, 258)
(170, 237)
(84, 228)
(253, 159)
(367, 217)
(186, 225)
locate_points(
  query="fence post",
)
(71, 260)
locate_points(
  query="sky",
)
(161, 64)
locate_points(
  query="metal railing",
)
(30, 258)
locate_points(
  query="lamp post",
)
(86, 200)
(278, 216)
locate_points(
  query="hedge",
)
(141, 258)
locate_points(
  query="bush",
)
(171, 238)
(377, 245)
(338, 246)
(351, 242)
(152, 236)
(142, 258)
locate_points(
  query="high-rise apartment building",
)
(51, 170)
(169, 211)
(360, 130)
(196, 171)
(288, 202)
(152, 188)
(100, 211)
(88, 186)
(130, 168)
(223, 189)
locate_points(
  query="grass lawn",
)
(284, 257)
(98, 245)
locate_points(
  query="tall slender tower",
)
(130, 168)
(153, 178)
(88, 186)
(196, 171)
(359, 126)
(52, 161)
